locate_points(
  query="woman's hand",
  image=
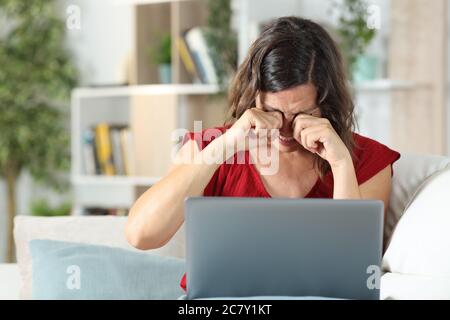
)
(256, 120)
(318, 136)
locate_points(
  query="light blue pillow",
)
(64, 270)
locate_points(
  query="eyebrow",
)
(270, 109)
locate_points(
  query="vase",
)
(364, 69)
(165, 73)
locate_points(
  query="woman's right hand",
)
(253, 124)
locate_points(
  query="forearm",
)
(158, 213)
(345, 182)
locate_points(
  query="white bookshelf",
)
(154, 89)
(101, 180)
(386, 85)
(151, 110)
(143, 2)
(114, 105)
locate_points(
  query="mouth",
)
(286, 140)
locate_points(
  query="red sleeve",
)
(371, 157)
(183, 283)
(214, 187)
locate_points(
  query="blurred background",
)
(92, 90)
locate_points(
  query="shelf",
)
(210, 89)
(387, 85)
(144, 2)
(114, 180)
(143, 90)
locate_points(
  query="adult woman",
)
(291, 80)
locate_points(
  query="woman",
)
(292, 80)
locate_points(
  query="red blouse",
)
(243, 180)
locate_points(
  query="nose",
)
(286, 129)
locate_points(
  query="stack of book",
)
(196, 56)
(100, 211)
(108, 150)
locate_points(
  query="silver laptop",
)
(247, 247)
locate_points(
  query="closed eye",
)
(307, 112)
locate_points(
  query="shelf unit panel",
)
(101, 180)
(378, 85)
(102, 195)
(146, 2)
(156, 89)
(153, 120)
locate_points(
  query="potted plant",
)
(36, 77)
(222, 40)
(355, 36)
(42, 208)
(161, 56)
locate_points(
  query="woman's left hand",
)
(318, 136)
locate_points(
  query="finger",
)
(299, 129)
(269, 126)
(260, 127)
(264, 119)
(311, 137)
(303, 121)
(313, 140)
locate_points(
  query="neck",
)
(298, 161)
(298, 155)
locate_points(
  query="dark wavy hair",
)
(292, 51)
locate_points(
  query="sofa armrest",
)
(10, 281)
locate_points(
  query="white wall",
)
(103, 44)
(100, 50)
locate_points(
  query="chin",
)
(286, 148)
(289, 149)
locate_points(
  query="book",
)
(128, 155)
(88, 151)
(116, 145)
(100, 211)
(103, 149)
(201, 56)
(108, 149)
(186, 57)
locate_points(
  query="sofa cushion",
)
(67, 270)
(410, 172)
(396, 286)
(98, 230)
(421, 241)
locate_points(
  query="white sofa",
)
(415, 268)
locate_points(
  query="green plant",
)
(162, 53)
(355, 35)
(36, 77)
(42, 208)
(221, 39)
